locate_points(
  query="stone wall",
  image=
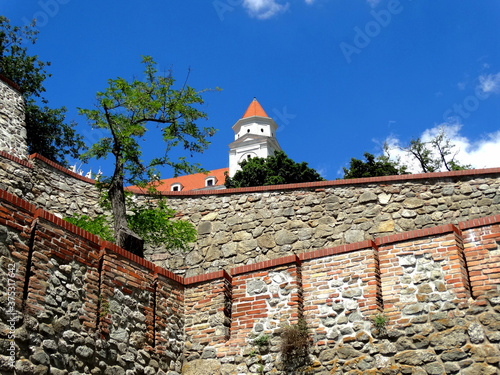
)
(80, 305)
(245, 226)
(49, 185)
(12, 127)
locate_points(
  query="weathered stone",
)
(266, 241)
(434, 368)
(202, 367)
(284, 237)
(347, 352)
(193, 257)
(384, 198)
(388, 348)
(210, 216)
(451, 338)
(354, 235)
(119, 335)
(367, 197)
(386, 226)
(479, 368)
(451, 367)
(476, 333)
(256, 287)
(205, 227)
(413, 203)
(413, 308)
(415, 357)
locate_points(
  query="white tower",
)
(255, 136)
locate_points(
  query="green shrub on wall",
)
(295, 346)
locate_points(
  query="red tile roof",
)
(191, 181)
(255, 109)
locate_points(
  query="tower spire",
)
(255, 109)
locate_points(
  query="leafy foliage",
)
(372, 167)
(154, 222)
(380, 321)
(261, 340)
(123, 110)
(156, 226)
(97, 226)
(47, 132)
(273, 170)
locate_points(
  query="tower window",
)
(262, 130)
(248, 130)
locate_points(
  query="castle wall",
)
(81, 303)
(84, 305)
(12, 127)
(244, 226)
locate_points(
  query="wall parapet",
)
(331, 183)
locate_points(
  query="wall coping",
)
(16, 159)
(39, 213)
(11, 83)
(61, 168)
(321, 185)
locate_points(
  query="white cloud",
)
(490, 83)
(480, 153)
(264, 9)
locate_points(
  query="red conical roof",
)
(255, 109)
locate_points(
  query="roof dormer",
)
(176, 186)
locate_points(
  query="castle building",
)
(254, 136)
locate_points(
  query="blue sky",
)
(339, 77)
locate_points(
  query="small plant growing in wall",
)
(380, 321)
(261, 341)
(295, 346)
(104, 306)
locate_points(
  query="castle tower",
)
(254, 136)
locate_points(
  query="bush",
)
(295, 345)
(97, 226)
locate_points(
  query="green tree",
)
(373, 167)
(47, 132)
(153, 221)
(123, 110)
(274, 170)
(435, 155)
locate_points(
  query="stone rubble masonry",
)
(86, 306)
(12, 127)
(242, 226)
